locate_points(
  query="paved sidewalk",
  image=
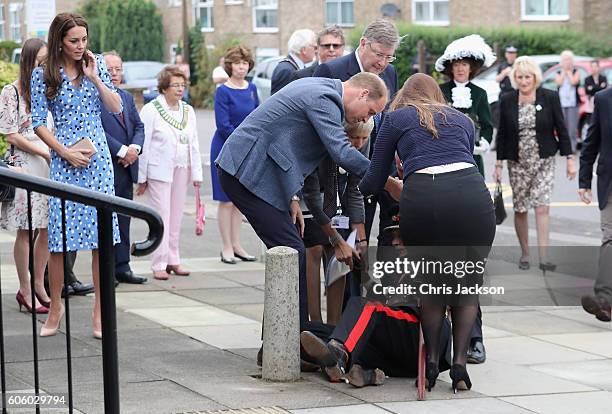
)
(189, 345)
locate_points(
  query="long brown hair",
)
(57, 31)
(423, 93)
(27, 63)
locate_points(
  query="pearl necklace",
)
(244, 84)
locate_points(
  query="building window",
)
(230, 2)
(340, 12)
(430, 12)
(204, 15)
(545, 9)
(175, 3)
(265, 16)
(15, 13)
(1, 21)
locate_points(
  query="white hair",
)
(362, 128)
(300, 39)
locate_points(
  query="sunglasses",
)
(332, 45)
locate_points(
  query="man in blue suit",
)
(375, 53)
(125, 137)
(263, 164)
(599, 142)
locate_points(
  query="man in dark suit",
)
(599, 141)
(302, 47)
(375, 53)
(125, 137)
(330, 46)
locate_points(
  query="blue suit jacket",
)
(118, 134)
(283, 74)
(285, 139)
(598, 141)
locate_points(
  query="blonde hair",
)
(363, 129)
(526, 64)
(567, 53)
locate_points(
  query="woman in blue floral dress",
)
(72, 85)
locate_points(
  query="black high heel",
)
(431, 374)
(460, 377)
(548, 266)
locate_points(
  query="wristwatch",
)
(295, 198)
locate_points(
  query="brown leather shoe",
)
(598, 306)
(359, 377)
(332, 357)
(177, 270)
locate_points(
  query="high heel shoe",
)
(548, 266)
(45, 303)
(24, 303)
(460, 377)
(246, 257)
(227, 261)
(177, 270)
(97, 333)
(46, 331)
(431, 374)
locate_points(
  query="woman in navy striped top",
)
(445, 202)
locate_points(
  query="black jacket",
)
(598, 141)
(591, 87)
(549, 120)
(283, 74)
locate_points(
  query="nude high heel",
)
(51, 331)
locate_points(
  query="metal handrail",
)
(105, 205)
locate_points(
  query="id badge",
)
(340, 222)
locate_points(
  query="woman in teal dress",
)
(461, 61)
(73, 84)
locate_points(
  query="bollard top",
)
(281, 251)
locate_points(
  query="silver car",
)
(261, 76)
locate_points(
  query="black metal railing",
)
(105, 205)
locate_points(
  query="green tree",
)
(133, 28)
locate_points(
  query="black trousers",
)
(380, 336)
(273, 226)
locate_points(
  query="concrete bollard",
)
(281, 341)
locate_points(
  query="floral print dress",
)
(531, 177)
(76, 115)
(12, 120)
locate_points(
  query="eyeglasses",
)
(114, 70)
(387, 58)
(177, 85)
(332, 45)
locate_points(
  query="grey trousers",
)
(571, 123)
(603, 284)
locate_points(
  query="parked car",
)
(143, 74)
(261, 76)
(486, 79)
(586, 106)
(16, 55)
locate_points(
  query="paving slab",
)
(583, 402)
(343, 409)
(533, 322)
(244, 278)
(596, 343)
(597, 374)
(246, 391)
(532, 351)
(254, 311)
(455, 406)
(235, 296)
(226, 336)
(490, 332)
(202, 315)
(136, 300)
(201, 265)
(496, 379)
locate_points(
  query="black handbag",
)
(498, 201)
(7, 192)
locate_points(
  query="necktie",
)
(330, 189)
(121, 119)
